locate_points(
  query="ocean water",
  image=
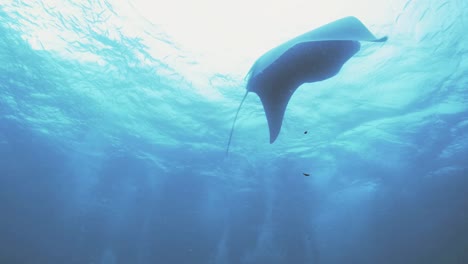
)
(115, 115)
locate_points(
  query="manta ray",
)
(311, 57)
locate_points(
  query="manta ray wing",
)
(304, 62)
(348, 28)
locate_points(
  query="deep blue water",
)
(112, 149)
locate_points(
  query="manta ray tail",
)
(234, 123)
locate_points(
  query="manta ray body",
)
(311, 57)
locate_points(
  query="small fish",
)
(306, 174)
(305, 132)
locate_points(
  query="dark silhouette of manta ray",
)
(311, 57)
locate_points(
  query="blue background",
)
(111, 154)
